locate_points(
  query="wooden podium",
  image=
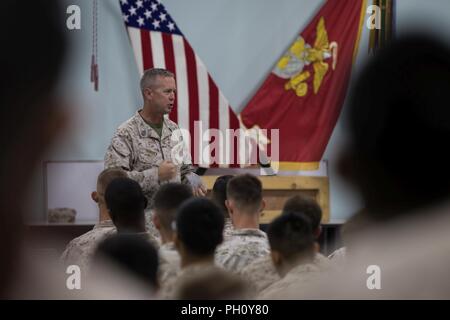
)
(277, 189)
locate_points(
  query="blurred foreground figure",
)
(32, 121)
(399, 125)
(31, 118)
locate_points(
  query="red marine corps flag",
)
(304, 93)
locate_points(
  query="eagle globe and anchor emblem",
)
(291, 66)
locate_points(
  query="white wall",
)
(239, 41)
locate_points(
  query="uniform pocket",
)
(149, 156)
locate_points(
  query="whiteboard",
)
(68, 184)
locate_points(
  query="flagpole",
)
(380, 38)
(94, 56)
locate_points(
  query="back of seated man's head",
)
(103, 180)
(132, 254)
(108, 175)
(245, 193)
(291, 239)
(399, 125)
(219, 192)
(167, 200)
(199, 226)
(125, 202)
(307, 206)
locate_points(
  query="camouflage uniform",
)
(297, 276)
(228, 229)
(169, 289)
(151, 227)
(242, 248)
(338, 257)
(139, 150)
(80, 250)
(261, 273)
(322, 262)
(169, 262)
(148, 236)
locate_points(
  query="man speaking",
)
(144, 145)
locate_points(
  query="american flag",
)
(158, 43)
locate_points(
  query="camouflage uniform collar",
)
(170, 246)
(228, 223)
(249, 232)
(199, 267)
(146, 131)
(104, 224)
(304, 267)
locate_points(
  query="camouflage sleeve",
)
(65, 256)
(73, 254)
(120, 155)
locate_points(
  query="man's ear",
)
(94, 196)
(229, 206)
(147, 93)
(263, 205)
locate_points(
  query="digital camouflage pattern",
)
(80, 250)
(169, 262)
(296, 277)
(242, 248)
(139, 150)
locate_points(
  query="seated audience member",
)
(261, 272)
(219, 196)
(167, 200)
(398, 123)
(292, 249)
(131, 257)
(214, 284)
(309, 207)
(246, 242)
(80, 250)
(199, 230)
(126, 203)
